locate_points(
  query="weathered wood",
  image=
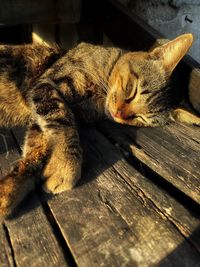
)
(114, 18)
(6, 258)
(107, 222)
(167, 155)
(23, 11)
(183, 218)
(8, 151)
(44, 33)
(19, 134)
(32, 237)
(194, 88)
(187, 136)
(64, 35)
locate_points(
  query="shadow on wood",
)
(175, 257)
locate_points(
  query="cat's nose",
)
(118, 114)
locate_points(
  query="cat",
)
(49, 91)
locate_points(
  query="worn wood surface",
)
(165, 151)
(64, 35)
(127, 223)
(24, 11)
(166, 201)
(116, 216)
(8, 151)
(33, 239)
(6, 257)
(194, 88)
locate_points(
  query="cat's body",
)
(76, 75)
(49, 91)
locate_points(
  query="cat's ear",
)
(183, 115)
(172, 52)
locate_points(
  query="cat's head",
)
(140, 90)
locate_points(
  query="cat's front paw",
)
(61, 175)
(14, 187)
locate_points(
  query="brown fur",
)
(49, 90)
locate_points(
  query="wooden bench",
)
(138, 202)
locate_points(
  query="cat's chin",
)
(129, 122)
(108, 114)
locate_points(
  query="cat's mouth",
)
(121, 118)
(124, 117)
(130, 119)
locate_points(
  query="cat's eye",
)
(145, 92)
(128, 100)
(132, 117)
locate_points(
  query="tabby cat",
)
(49, 91)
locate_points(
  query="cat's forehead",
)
(140, 66)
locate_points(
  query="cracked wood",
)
(109, 221)
(165, 151)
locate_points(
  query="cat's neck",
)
(97, 61)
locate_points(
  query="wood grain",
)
(6, 258)
(23, 11)
(8, 151)
(165, 203)
(107, 222)
(194, 89)
(32, 237)
(165, 153)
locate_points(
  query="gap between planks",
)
(91, 229)
(29, 234)
(162, 152)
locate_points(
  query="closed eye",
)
(145, 92)
(128, 100)
(135, 116)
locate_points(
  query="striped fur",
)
(49, 90)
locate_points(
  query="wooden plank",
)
(167, 155)
(19, 135)
(108, 223)
(32, 237)
(8, 151)
(187, 136)
(135, 33)
(23, 11)
(64, 35)
(185, 219)
(43, 33)
(68, 35)
(194, 90)
(6, 258)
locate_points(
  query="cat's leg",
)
(21, 180)
(64, 167)
(56, 119)
(13, 108)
